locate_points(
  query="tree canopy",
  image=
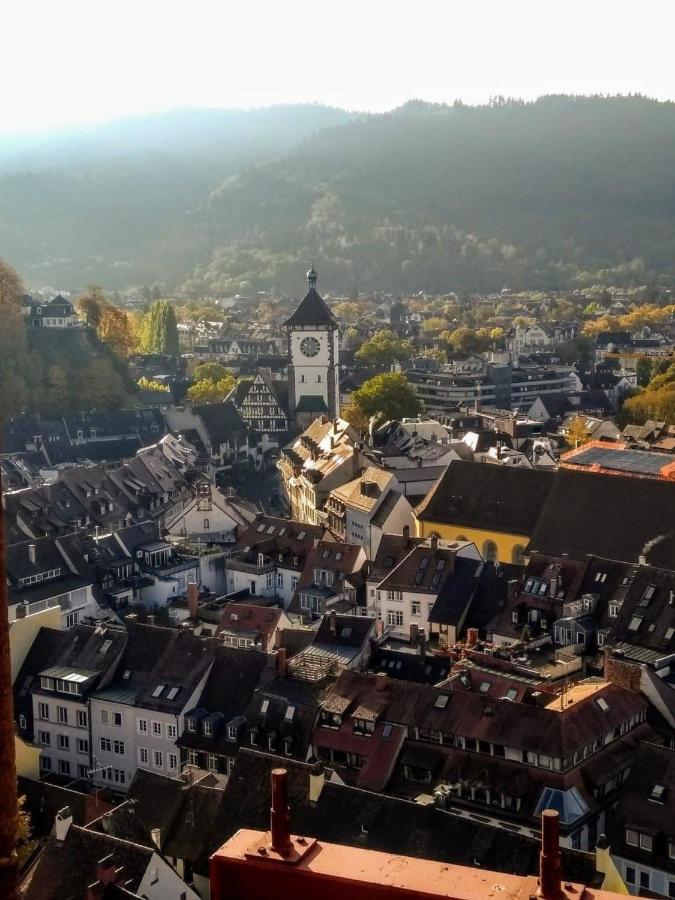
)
(160, 329)
(384, 349)
(389, 396)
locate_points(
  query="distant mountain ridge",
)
(550, 194)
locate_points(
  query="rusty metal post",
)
(280, 825)
(550, 867)
(9, 812)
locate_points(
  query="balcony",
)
(241, 562)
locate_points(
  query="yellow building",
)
(494, 506)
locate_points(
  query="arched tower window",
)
(490, 552)
(518, 555)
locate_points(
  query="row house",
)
(211, 517)
(51, 574)
(53, 694)
(215, 724)
(93, 500)
(325, 456)
(503, 756)
(340, 642)
(270, 556)
(252, 627)
(137, 718)
(364, 509)
(423, 586)
(333, 578)
(138, 565)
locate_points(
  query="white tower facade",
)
(313, 349)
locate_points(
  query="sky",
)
(82, 61)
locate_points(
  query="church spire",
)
(312, 276)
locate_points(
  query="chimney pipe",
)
(151, 619)
(550, 870)
(414, 633)
(62, 822)
(422, 642)
(31, 553)
(380, 681)
(280, 814)
(193, 599)
(406, 534)
(282, 665)
(332, 621)
(434, 542)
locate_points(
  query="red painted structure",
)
(255, 864)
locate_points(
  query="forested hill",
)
(556, 193)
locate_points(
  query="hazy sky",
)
(76, 61)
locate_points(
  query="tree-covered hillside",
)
(551, 194)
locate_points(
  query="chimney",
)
(156, 835)
(550, 870)
(471, 637)
(414, 634)
(20, 611)
(193, 599)
(422, 642)
(31, 553)
(406, 534)
(131, 619)
(280, 814)
(62, 822)
(553, 588)
(379, 628)
(332, 621)
(324, 420)
(381, 681)
(282, 664)
(642, 560)
(317, 779)
(151, 619)
(105, 869)
(434, 542)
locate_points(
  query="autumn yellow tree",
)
(578, 434)
(116, 330)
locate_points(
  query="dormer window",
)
(330, 719)
(191, 725)
(232, 732)
(366, 727)
(208, 728)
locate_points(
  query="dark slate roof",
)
(653, 765)
(491, 594)
(613, 516)
(355, 817)
(311, 311)
(640, 462)
(495, 498)
(222, 421)
(457, 592)
(410, 666)
(66, 869)
(647, 605)
(350, 631)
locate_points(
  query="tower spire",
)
(312, 276)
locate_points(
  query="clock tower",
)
(313, 370)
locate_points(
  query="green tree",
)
(389, 396)
(60, 390)
(212, 371)
(464, 340)
(210, 391)
(383, 349)
(160, 329)
(643, 369)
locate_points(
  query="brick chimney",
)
(550, 866)
(193, 599)
(434, 542)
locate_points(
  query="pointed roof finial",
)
(312, 275)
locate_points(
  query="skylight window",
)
(282, 531)
(424, 562)
(602, 703)
(528, 585)
(173, 693)
(325, 554)
(260, 529)
(484, 687)
(635, 623)
(386, 731)
(346, 632)
(658, 793)
(105, 646)
(127, 675)
(270, 530)
(158, 690)
(338, 555)
(669, 633)
(265, 706)
(302, 535)
(511, 694)
(441, 701)
(440, 565)
(290, 712)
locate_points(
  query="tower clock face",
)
(309, 346)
